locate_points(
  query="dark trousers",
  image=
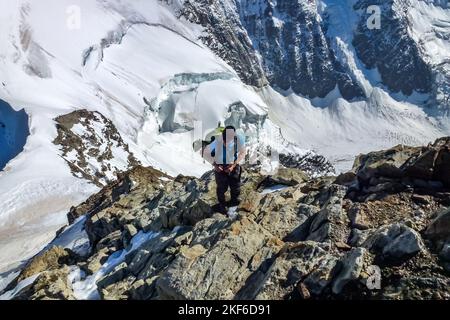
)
(225, 181)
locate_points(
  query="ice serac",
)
(13, 132)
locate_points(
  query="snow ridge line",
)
(116, 37)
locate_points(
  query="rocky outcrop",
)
(390, 48)
(402, 168)
(311, 163)
(92, 147)
(226, 37)
(292, 237)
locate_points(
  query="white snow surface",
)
(275, 188)
(20, 286)
(85, 288)
(74, 237)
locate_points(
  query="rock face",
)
(404, 167)
(226, 37)
(296, 54)
(292, 236)
(288, 45)
(92, 146)
(280, 42)
(403, 68)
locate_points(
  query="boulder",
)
(51, 259)
(116, 275)
(445, 252)
(357, 217)
(278, 213)
(350, 267)
(322, 275)
(439, 228)
(96, 261)
(52, 285)
(394, 243)
(386, 163)
(432, 163)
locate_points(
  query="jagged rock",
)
(117, 290)
(277, 213)
(331, 223)
(117, 274)
(96, 261)
(358, 237)
(223, 268)
(346, 178)
(294, 263)
(445, 252)
(439, 228)
(394, 243)
(350, 267)
(431, 163)
(128, 233)
(50, 285)
(109, 211)
(420, 167)
(111, 193)
(143, 289)
(286, 176)
(321, 276)
(49, 260)
(303, 291)
(417, 287)
(299, 241)
(112, 240)
(386, 163)
(357, 218)
(311, 163)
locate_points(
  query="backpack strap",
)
(235, 148)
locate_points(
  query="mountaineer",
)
(225, 152)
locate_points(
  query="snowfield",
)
(147, 71)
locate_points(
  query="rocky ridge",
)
(92, 146)
(380, 231)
